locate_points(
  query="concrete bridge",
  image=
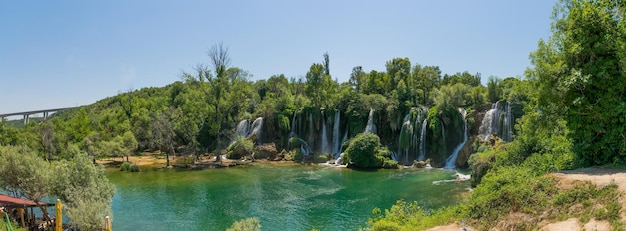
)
(26, 114)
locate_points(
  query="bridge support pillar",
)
(45, 115)
(26, 119)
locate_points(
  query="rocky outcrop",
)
(466, 152)
(266, 151)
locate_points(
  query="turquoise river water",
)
(293, 197)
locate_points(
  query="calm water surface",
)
(281, 197)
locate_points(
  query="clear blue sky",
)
(71, 53)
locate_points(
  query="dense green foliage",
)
(362, 150)
(365, 151)
(240, 148)
(83, 188)
(580, 73)
(573, 102)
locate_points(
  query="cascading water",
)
(487, 125)
(507, 134)
(311, 138)
(305, 148)
(293, 124)
(325, 146)
(497, 121)
(451, 161)
(422, 155)
(404, 141)
(243, 129)
(370, 127)
(336, 142)
(257, 127)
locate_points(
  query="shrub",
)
(240, 148)
(249, 224)
(321, 158)
(390, 164)
(362, 150)
(134, 168)
(128, 167)
(125, 166)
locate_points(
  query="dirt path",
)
(600, 177)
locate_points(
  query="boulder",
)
(466, 152)
(421, 164)
(266, 151)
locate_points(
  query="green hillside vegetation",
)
(573, 117)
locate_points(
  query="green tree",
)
(24, 174)
(163, 132)
(494, 93)
(319, 86)
(580, 75)
(397, 69)
(358, 79)
(427, 78)
(377, 83)
(84, 189)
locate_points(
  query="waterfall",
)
(257, 126)
(336, 142)
(345, 137)
(305, 148)
(339, 161)
(451, 161)
(324, 147)
(243, 129)
(405, 140)
(311, 137)
(422, 155)
(487, 125)
(499, 121)
(293, 124)
(506, 124)
(371, 127)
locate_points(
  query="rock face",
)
(466, 152)
(266, 151)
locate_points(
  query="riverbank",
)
(571, 181)
(157, 160)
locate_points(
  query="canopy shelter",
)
(14, 202)
(18, 206)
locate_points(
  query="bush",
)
(134, 168)
(242, 147)
(249, 224)
(390, 164)
(362, 151)
(125, 166)
(321, 158)
(128, 167)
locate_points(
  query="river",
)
(294, 197)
